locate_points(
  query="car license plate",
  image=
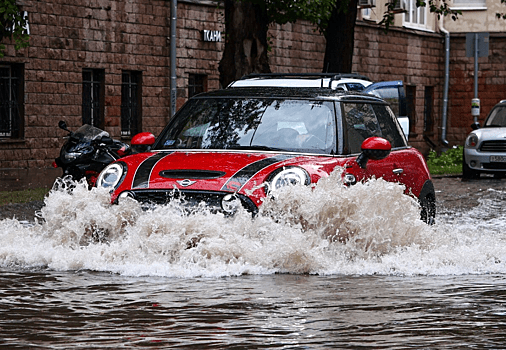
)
(498, 159)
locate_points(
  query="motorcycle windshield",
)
(87, 133)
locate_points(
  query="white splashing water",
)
(369, 228)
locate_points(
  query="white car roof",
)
(298, 81)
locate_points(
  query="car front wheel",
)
(467, 172)
(428, 213)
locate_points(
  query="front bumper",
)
(481, 161)
(189, 198)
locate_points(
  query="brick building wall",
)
(116, 36)
(416, 58)
(69, 36)
(491, 84)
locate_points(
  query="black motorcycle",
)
(87, 151)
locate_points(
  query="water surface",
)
(329, 267)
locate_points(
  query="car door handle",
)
(398, 171)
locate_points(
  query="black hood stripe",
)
(143, 173)
(240, 178)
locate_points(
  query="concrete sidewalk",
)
(22, 179)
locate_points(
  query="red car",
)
(231, 147)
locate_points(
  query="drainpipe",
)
(173, 87)
(444, 120)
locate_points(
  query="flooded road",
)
(161, 279)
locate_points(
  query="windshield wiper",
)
(257, 148)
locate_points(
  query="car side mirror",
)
(142, 142)
(475, 126)
(375, 148)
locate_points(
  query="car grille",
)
(190, 198)
(493, 146)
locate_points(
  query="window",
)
(414, 16)
(250, 123)
(93, 97)
(365, 120)
(410, 104)
(11, 101)
(428, 117)
(366, 13)
(131, 97)
(469, 4)
(197, 83)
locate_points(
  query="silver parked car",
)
(485, 147)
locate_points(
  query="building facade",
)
(107, 63)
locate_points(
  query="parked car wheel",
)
(467, 172)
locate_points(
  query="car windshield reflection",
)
(253, 124)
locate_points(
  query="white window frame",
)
(366, 13)
(415, 17)
(466, 5)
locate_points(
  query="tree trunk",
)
(245, 51)
(340, 36)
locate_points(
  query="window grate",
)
(130, 103)
(197, 83)
(93, 97)
(10, 103)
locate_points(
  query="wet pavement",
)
(455, 194)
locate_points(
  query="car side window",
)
(390, 95)
(361, 123)
(390, 128)
(364, 120)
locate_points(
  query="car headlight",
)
(472, 140)
(111, 176)
(288, 176)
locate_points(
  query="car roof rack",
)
(332, 76)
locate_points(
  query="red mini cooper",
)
(231, 147)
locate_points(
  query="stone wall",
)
(416, 58)
(491, 83)
(69, 36)
(113, 35)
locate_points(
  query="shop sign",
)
(212, 35)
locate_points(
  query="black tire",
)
(467, 172)
(428, 212)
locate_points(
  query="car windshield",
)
(497, 117)
(253, 123)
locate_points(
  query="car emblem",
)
(186, 182)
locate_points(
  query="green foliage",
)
(288, 11)
(13, 25)
(318, 12)
(24, 196)
(440, 8)
(449, 162)
(501, 15)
